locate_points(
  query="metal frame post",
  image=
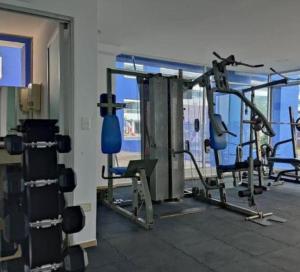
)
(109, 156)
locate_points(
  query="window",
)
(15, 61)
(132, 126)
(127, 92)
(283, 97)
(131, 66)
(195, 107)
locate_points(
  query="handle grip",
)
(103, 172)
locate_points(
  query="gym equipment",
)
(39, 222)
(14, 144)
(74, 260)
(105, 99)
(13, 265)
(73, 219)
(7, 248)
(137, 170)
(254, 133)
(162, 138)
(197, 125)
(15, 227)
(219, 142)
(219, 72)
(257, 124)
(111, 141)
(218, 131)
(161, 100)
(12, 176)
(290, 175)
(161, 108)
(66, 181)
(203, 194)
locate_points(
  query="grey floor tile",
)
(103, 254)
(286, 259)
(251, 264)
(124, 266)
(214, 253)
(281, 233)
(212, 240)
(182, 236)
(139, 244)
(253, 243)
(172, 261)
(217, 227)
(112, 230)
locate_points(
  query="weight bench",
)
(292, 161)
(138, 171)
(219, 142)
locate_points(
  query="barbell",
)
(258, 125)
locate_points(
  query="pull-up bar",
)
(266, 85)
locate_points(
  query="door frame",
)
(53, 37)
(67, 80)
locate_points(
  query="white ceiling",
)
(19, 24)
(257, 31)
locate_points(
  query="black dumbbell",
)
(13, 182)
(63, 143)
(16, 265)
(14, 144)
(7, 248)
(16, 227)
(247, 193)
(75, 259)
(66, 180)
(73, 219)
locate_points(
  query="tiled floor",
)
(211, 240)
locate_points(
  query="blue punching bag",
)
(111, 138)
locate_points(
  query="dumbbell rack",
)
(38, 218)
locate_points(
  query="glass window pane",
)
(193, 109)
(127, 92)
(282, 98)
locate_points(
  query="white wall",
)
(85, 97)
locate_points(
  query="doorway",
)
(35, 75)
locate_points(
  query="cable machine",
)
(218, 131)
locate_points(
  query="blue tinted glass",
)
(247, 78)
(12, 66)
(127, 92)
(282, 98)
